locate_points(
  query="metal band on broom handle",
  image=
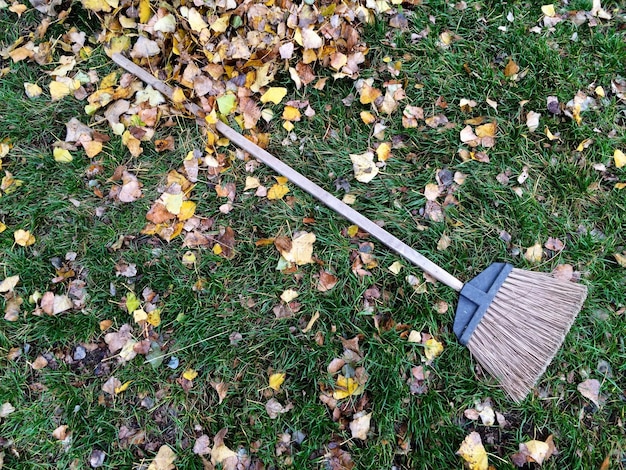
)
(304, 183)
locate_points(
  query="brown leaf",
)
(326, 281)
(511, 68)
(39, 363)
(221, 388)
(226, 240)
(60, 433)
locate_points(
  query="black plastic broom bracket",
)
(476, 297)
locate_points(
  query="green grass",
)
(564, 197)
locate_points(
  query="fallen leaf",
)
(619, 158)
(590, 389)
(326, 281)
(346, 387)
(131, 188)
(548, 10)
(111, 385)
(534, 254)
(202, 446)
(534, 451)
(274, 408)
(364, 167)
(276, 380)
(6, 409)
(60, 433)
(300, 250)
(39, 363)
(360, 425)
(23, 237)
(221, 388)
(532, 120)
(9, 283)
(190, 374)
(511, 68)
(164, 460)
(432, 349)
(473, 452)
(274, 95)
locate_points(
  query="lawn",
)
(169, 302)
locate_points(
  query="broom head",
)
(514, 322)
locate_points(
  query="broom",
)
(512, 321)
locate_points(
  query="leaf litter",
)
(135, 111)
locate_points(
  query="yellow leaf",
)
(345, 387)
(190, 374)
(276, 380)
(621, 259)
(584, 144)
(288, 295)
(291, 113)
(274, 94)
(396, 267)
(58, 90)
(196, 20)
(600, 92)
(288, 126)
(23, 237)
(220, 25)
(3, 227)
(92, 148)
(353, 230)
(617, 186)
(367, 117)
(368, 94)
(364, 167)
(537, 450)
(301, 251)
(511, 68)
(173, 202)
(217, 249)
(432, 348)
(486, 130)
(251, 183)
(62, 155)
(473, 452)
(534, 253)
(277, 191)
(140, 315)
(108, 81)
(281, 179)
(154, 317)
(619, 158)
(187, 210)
(178, 96)
(164, 459)
(548, 10)
(122, 387)
(383, 152)
(32, 90)
(144, 11)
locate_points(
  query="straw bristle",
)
(524, 327)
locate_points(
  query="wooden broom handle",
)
(304, 183)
